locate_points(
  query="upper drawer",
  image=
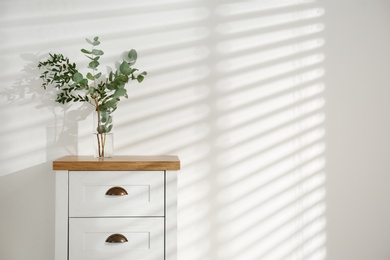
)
(87, 193)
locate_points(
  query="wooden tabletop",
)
(118, 163)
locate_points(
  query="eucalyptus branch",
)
(59, 72)
(73, 86)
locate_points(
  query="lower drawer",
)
(145, 238)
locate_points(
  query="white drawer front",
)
(145, 238)
(87, 194)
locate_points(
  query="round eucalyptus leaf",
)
(132, 56)
(93, 64)
(77, 77)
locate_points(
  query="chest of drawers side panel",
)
(171, 215)
(61, 215)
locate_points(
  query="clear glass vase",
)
(103, 138)
(103, 145)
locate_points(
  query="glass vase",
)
(103, 145)
(103, 138)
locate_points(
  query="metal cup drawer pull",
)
(116, 191)
(116, 238)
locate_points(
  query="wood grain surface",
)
(118, 163)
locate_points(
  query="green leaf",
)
(90, 76)
(132, 56)
(93, 64)
(110, 105)
(84, 83)
(95, 41)
(109, 120)
(111, 86)
(89, 41)
(77, 77)
(120, 92)
(85, 51)
(140, 78)
(103, 118)
(121, 79)
(101, 129)
(125, 68)
(109, 128)
(98, 75)
(97, 52)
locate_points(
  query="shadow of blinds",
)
(269, 131)
(236, 89)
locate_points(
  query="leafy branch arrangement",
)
(102, 92)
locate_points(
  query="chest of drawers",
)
(120, 208)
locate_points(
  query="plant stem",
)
(98, 140)
(99, 137)
(103, 143)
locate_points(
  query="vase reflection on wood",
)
(103, 138)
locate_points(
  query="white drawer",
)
(87, 193)
(145, 238)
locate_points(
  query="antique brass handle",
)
(116, 191)
(116, 238)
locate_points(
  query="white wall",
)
(358, 91)
(277, 109)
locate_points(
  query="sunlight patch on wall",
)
(271, 135)
(245, 43)
(260, 22)
(236, 8)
